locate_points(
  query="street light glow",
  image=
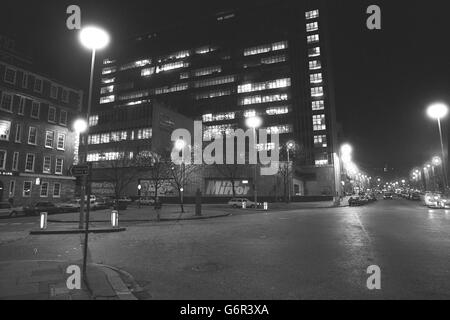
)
(290, 144)
(180, 144)
(94, 38)
(346, 149)
(436, 161)
(80, 125)
(437, 111)
(253, 122)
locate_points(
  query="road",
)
(298, 254)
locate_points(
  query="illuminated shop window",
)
(214, 81)
(314, 26)
(265, 48)
(263, 99)
(311, 14)
(318, 105)
(320, 141)
(315, 65)
(317, 92)
(273, 84)
(319, 122)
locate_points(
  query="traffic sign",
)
(80, 170)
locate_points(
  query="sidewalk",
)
(46, 280)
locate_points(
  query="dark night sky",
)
(383, 79)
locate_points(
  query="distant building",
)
(272, 61)
(37, 143)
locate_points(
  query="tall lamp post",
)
(438, 111)
(92, 38)
(253, 123)
(180, 145)
(289, 146)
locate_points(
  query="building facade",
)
(37, 143)
(271, 61)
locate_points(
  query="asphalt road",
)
(299, 254)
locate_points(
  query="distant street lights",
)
(253, 123)
(438, 111)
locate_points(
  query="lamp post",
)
(180, 145)
(438, 111)
(254, 122)
(92, 38)
(139, 194)
(289, 145)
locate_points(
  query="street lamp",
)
(438, 111)
(92, 38)
(253, 123)
(289, 146)
(139, 193)
(180, 144)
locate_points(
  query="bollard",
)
(244, 204)
(266, 205)
(114, 218)
(43, 221)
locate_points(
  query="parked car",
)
(442, 203)
(237, 203)
(415, 196)
(39, 207)
(6, 209)
(387, 196)
(430, 198)
(69, 206)
(372, 197)
(146, 201)
(357, 201)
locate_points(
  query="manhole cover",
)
(207, 267)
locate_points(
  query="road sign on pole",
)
(79, 170)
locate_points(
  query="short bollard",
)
(244, 204)
(266, 205)
(43, 221)
(114, 218)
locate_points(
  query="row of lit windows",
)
(210, 131)
(107, 137)
(171, 66)
(135, 64)
(214, 81)
(207, 71)
(273, 84)
(248, 113)
(263, 99)
(174, 88)
(266, 48)
(311, 14)
(318, 105)
(104, 156)
(212, 94)
(280, 129)
(319, 122)
(218, 116)
(315, 65)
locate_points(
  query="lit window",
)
(15, 162)
(273, 84)
(319, 122)
(273, 59)
(59, 165)
(145, 133)
(104, 138)
(265, 147)
(212, 94)
(10, 75)
(57, 190)
(205, 49)
(133, 95)
(312, 26)
(32, 135)
(108, 61)
(211, 131)
(147, 72)
(320, 141)
(5, 129)
(207, 71)
(94, 139)
(314, 65)
(315, 78)
(107, 89)
(314, 52)
(37, 85)
(214, 81)
(109, 70)
(279, 129)
(218, 117)
(3, 159)
(321, 163)
(277, 110)
(29, 163)
(107, 99)
(317, 92)
(108, 80)
(174, 88)
(266, 48)
(263, 99)
(312, 14)
(44, 190)
(135, 64)
(27, 185)
(318, 105)
(93, 120)
(184, 75)
(49, 138)
(46, 168)
(171, 66)
(35, 107)
(313, 38)
(7, 100)
(61, 141)
(249, 113)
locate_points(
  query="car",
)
(387, 196)
(430, 198)
(372, 197)
(146, 201)
(357, 200)
(237, 203)
(415, 196)
(39, 207)
(6, 209)
(442, 203)
(69, 206)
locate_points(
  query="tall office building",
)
(272, 61)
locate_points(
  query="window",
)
(49, 138)
(53, 91)
(147, 72)
(317, 92)
(314, 26)
(249, 113)
(266, 48)
(7, 100)
(93, 120)
(313, 38)
(26, 189)
(131, 95)
(18, 135)
(63, 117)
(145, 133)
(2, 159)
(218, 117)
(32, 135)
(61, 141)
(108, 61)
(205, 49)
(279, 129)
(12, 188)
(314, 65)
(211, 131)
(171, 66)
(57, 190)
(212, 94)
(37, 85)
(277, 110)
(263, 99)
(315, 78)
(184, 75)
(107, 99)
(51, 114)
(319, 122)
(320, 141)
(318, 105)
(47, 164)
(15, 162)
(65, 95)
(59, 165)
(273, 84)
(314, 52)
(108, 80)
(104, 138)
(311, 14)
(214, 81)
(107, 89)
(35, 107)
(273, 59)
(44, 189)
(10, 75)
(109, 70)
(174, 88)
(25, 80)
(29, 163)
(22, 101)
(5, 127)
(118, 135)
(207, 71)
(94, 139)
(321, 160)
(135, 64)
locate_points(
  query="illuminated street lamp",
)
(180, 144)
(289, 146)
(438, 111)
(254, 122)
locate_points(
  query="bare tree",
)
(230, 173)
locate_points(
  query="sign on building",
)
(224, 188)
